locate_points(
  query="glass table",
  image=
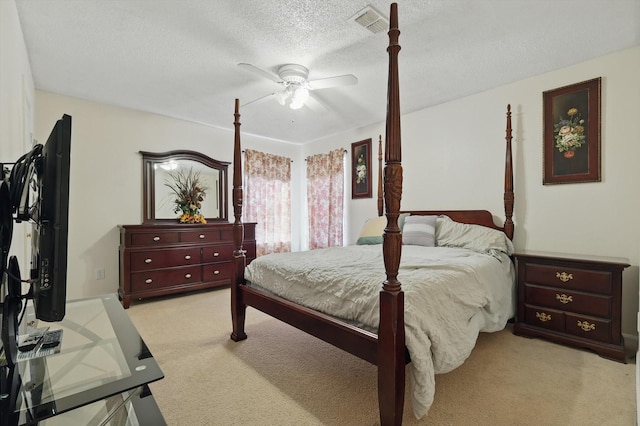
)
(98, 375)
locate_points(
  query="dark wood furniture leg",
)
(238, 307)
(391, 337)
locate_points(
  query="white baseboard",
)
(630, 343)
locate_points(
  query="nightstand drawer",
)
(571, 299)
(578, 302)
(589, 328)
(571, 278)
(544, 317)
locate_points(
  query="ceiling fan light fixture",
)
(293, 73)
(299, 97)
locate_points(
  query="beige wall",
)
(453, 157)
(106, 174)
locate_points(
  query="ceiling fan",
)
(296, 87)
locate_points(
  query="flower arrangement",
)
(361, 170)
(570, 133)
(189, 194)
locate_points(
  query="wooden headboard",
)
(474, 217)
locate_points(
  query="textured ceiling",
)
(179, 57)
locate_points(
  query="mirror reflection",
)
(160, 171)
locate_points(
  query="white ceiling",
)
(179, 57)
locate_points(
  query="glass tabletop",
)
(101, 355)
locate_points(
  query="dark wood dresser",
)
(571, 299)
(159, 259)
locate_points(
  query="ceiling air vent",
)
(371, 19)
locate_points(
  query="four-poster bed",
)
(379, 336)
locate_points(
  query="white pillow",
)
(473, 237)
(419, 231)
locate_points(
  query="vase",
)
(569, 154)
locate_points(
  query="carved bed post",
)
(508, 181)
(391, 337)
(238, 308)
(380, 193)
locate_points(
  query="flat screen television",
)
(51, 223)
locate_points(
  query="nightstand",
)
(571, 299)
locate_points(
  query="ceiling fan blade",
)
(259, 100)
(340, 80)
(314, 104)
(260, 72)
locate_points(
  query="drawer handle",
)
(201, 236)
(147, 261)
(216, 272)
(543, 317)
(563, 298)
(187, 257)
(148, 281)
(586, 326)
(187, 275)
(156, 238)
(216, 254)
(564, 277)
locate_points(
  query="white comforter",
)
(451, 294)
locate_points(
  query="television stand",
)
(102, 370)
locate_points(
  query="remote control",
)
(51, 339)
(32, 340)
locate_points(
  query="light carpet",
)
(282, 376)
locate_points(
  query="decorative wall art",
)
(361, 169)
(571, 116)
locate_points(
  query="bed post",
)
(391, 337)
(508, 181)
(380, 202)
(238, 308)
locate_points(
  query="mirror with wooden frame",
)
(158, 198)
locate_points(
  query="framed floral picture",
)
(361, 169)
(571, 116)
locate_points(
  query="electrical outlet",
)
(100, 274)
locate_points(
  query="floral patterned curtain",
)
(267, 190)
(325, 197)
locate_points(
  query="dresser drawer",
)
(218, 253)
(544, 317)
(203, 236)
(162, 258)
(156, 259)
(153, 239)
(217, 271)
(150, 280)
(589, 328)
(588, 304)
(570, 278)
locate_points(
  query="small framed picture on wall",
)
(571, 116)
(361, 169)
